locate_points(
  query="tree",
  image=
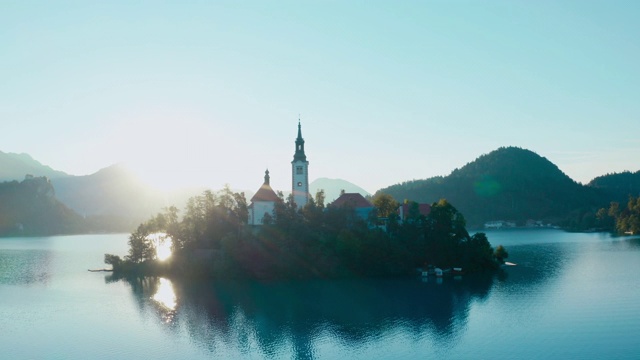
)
(113, 260)
(320, 197)
(267, 219)
(501, 253)
(446, 221)
(478, 252)
(385, 204)
(627, 220)
(140, 246)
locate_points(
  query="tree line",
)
(621, 219)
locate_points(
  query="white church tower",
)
(300, 172)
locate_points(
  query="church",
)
(263, 202)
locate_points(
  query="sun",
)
(162, 242)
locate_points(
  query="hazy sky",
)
(209, 92)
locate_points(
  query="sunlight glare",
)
(162, 243)
(165, 295)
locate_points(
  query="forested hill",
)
(618, 186)
(509, 183)
(30, 208)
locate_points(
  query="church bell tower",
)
(300, 172)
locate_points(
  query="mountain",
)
(29, 208)
(16, 166)
(114, 198)
(509, 183)
(618, 186)
(333, 187)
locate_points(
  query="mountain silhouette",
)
(509, 183)
(333, 187)
(16, 166)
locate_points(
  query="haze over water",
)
(570, 296)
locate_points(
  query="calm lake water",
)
(570, 296)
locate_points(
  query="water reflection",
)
(298, 315)
(165, 296)
(627, 242)
(537, 264)
(297, 319)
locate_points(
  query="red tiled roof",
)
(265, 193)
(424, 209)
(354, 200)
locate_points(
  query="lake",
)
(571, 295)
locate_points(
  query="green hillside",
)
(618, 186)
(509, 183)
(30, 208)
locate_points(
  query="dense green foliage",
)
(501, 253)
(621, 220)
(509, 184)
(618, 186)
(213, 240)
(385, 204)
(29, 208)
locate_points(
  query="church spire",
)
(299, 154)
(266, 177)
(300, 172)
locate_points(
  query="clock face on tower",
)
(299, 183)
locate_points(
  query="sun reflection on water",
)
(165, 295)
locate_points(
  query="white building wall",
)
(259, 209)
(300, 183)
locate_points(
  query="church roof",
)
(355, 200)
(265, 193)
(423, 209)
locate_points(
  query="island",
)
(213, 239)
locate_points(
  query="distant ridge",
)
(509, 183)
(29, 208)
(332, 188)
(113, 190)
(16, 166)
(618, 186)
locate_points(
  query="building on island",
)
(300, 172)
(263, 202)
(404, 210)
(356, 202)
(499, 224)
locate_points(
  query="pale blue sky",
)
(209, 92)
